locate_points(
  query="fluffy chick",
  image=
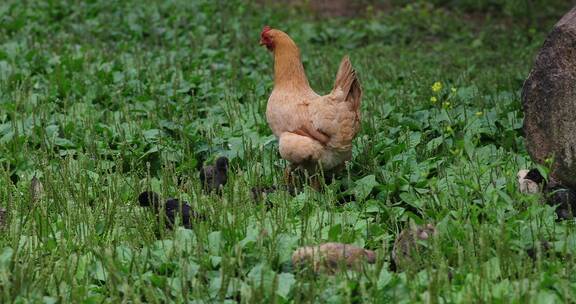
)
(542, 248)
(214, 177)
(565, 201)
(36, 190)
(172, 208)
(407, 247)
(261, 192)
(529, 181)
(330, 257)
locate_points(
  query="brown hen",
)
(313, 131)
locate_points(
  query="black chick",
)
(172, 208)
(260, 192)
(149, 198)
(565, 201)
(535, 176)
(543, 248)
(556, 195)
(215, 177)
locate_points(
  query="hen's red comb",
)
(266, 28)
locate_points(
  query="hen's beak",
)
(261, 42)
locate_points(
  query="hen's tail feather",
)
(347, 80)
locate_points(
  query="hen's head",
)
(273, 38)
(266, 38)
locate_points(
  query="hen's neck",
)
(288, 69)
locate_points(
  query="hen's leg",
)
(299, 151)
(315, 182)
(288, 176)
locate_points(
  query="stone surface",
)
(549, 102)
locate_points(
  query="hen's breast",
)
(277, 117)
(286, 111)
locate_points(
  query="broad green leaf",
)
(364, 186)
(285, 283)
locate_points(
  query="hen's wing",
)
(309, 130)
(337, 115)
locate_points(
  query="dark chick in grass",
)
(172, 209)
(260, 192)
(214, 177)
(409, 247)
(563, 198)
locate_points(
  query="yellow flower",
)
(479, 113)
(433, 99)
(446, 104)
(453, 89)
(436, 87)
(449, 129)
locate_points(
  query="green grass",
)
(103, 100)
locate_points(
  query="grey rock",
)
(549, 102)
